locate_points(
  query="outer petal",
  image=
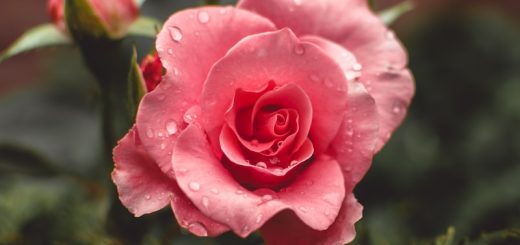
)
(280, 57)
(117, 15)
(355, 143)
(285, 228)
(352, 25)
(190, 42)
(143, 188)
(214, 191)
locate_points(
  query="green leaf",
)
(390, 15)
(145, 26)
(136, 85)
(41, 36)
(446, 239)
(82, 21)
(18, 159)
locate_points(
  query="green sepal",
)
(136, 85)
(145, 26)
(38, 37)
(390, 15)
(82, 21)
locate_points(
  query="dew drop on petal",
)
(239, 192)
(175, 34)
(203, 17)
(198, 229)
(299, 49)
(149, 133)
(214, 191)
(396, 109)
(357, 67)
(147, 197)
(194, 186)
(259, 218)
(297, 2)
(303, 209)
(205, 201)
(261, 165)
(267, 197)
(172, 127)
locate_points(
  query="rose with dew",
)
(115, 15)
(267, 117)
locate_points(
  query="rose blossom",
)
(115, 15)
(267, 117)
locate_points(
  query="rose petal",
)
(190, 42)
(116, 15)
(353, 25)
(355, 143)
(285, 228)
(143, 188)
(280, 57)
(191, 219)
(214, 191)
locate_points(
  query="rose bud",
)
(114, 15)
(152, 70)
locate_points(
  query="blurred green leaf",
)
(38, 37)
(145, 26)
(136, 85)
(508, 236)
(390, 15)
(372, 4)
(446, 239)
(17, 159)
(23, 199)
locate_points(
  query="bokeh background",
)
(450, 174)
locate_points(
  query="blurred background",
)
(450, 173)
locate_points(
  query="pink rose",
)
(267, 117)
(115, 15)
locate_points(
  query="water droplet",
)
(327, 212)
(175, 33)
(261, 165)
(192, 114)
(351, 75)
(259, 218)
(205, 201)
(194, 186)
(350, 131)
(299, 49)
(170, 51)
(172, 128)
(297, 2)
(149, 133)
(175, 71)
(203, 17)
(198, 229)
(350, 121)
(163, 146)
(315, 78)
(274, 160)
(222, 11)
(214, 191)
(303, 209)
(357, 67)
(293, 162)
(245, 229)
(396, 109)
(239, 192)
(160, 134)
(278, 170)
(147, 197)
(267, 198)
